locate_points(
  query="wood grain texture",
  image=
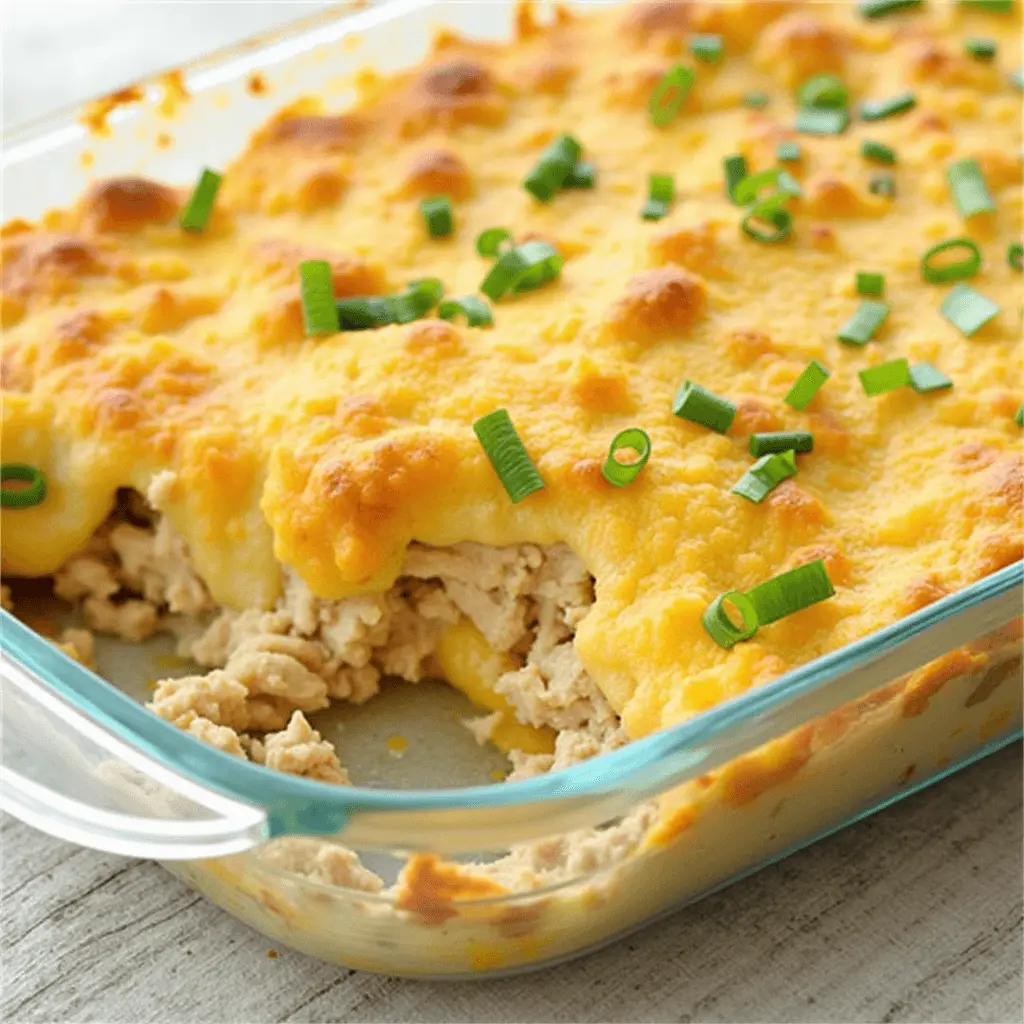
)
(913, 915)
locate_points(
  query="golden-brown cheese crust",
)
(132, 347)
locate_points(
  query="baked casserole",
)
(731, 306)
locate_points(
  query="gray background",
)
(913, 915)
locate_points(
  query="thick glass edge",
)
(640, 769)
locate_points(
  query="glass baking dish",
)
(380, 878)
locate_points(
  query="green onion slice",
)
(878, 152)
(583, 175)
(735, 171)
(970, 193)
(1015, 256)
(745, 190)
(362, 313)
(1016, 79)
(1019, 418)
(765, 475)
(21, 497)
(781, 441)
(521, 269)
(993, 6)
(197, 210)
(707, 48)
(807, 385)
(858, 330)
(720, 625)
(939, 272)
(473, 308)
(787, 151)
(437, 213)
(870, 283)
(756, 99)
(489, 242)
(882, 185)
(967, 310)
(819, 121)
(875, 110)
(661, 191)
(980, 48)
(698, 405)
(316, 286)
(890, 376)
(507, 455)
(879, 8)
(670, 94)
(823, 92)
(767, 214)
(790, 592)
(555, 165)
(618, 474)
(924, 378)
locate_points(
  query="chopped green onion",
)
(489, 242)
(967, 310)
(437, 213)
(1016, 78)
(938, 273)
(890, 376)
(878, 152)
(781, 441)
(875, 110)
(698, 405)
(1019, 418)
(858, 330)
(980, 48)
(521, 269)
(419, 298)
(720, 626)
(970, 193)
(924, 377)
(994, 6)
(707, 48)
(670, 94)
(756, 99)
(870, 284)
(767, 213)
(823, 92)
(765, 475)
(882, 185)
(790, 592)
(1015, 256)
(807, 385)
(553, 168)
(474, 309)
(661, 191)
(200, 204)
(879, 8)
(316, 286)
(507, 455)
(821, 121)
(21, 497)
(362, 313)
(787, 151)
(618, 474)
(746, 191)
(735, 171)
(583, 175)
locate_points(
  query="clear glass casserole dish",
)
(652, 828)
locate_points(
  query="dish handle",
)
(68, 775)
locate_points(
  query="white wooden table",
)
(913, 915)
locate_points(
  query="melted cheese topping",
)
(132, 347)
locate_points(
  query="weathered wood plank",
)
(914, 915)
